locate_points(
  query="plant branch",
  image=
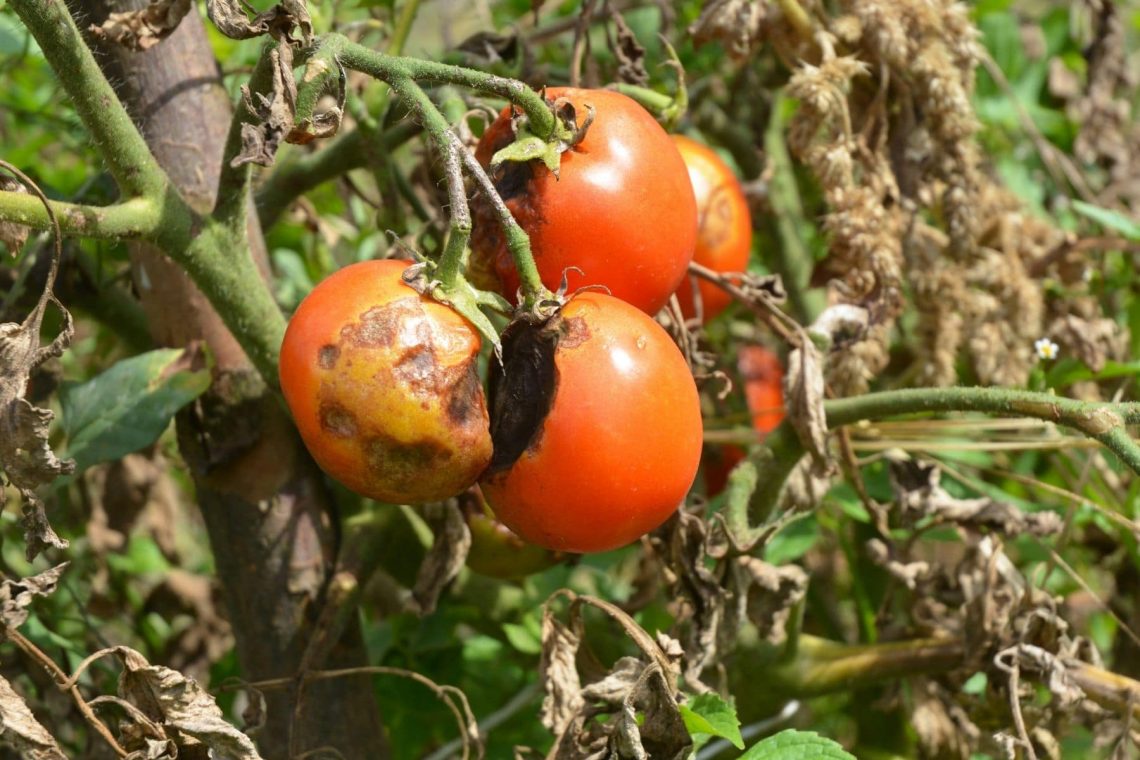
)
(130, 161)
(386, 68)
(136, 219)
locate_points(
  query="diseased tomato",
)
(621, 208)
(724, 236)
(763, 377)
(496, 551)
(597, 427)
(383, 386)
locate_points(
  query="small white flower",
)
(1045, 348)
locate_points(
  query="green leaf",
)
(797, 745)
(127, 407)
(523, 638)
(711, 715)
(1110, 220)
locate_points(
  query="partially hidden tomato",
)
(763, 377)
(621, 209)
(724, 233)
(495, 549)
(383, 385)
(597, 427)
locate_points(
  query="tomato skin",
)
(497, 552)
(619, 448)
(382, 384)
(719, 461)
(724, 233)
(763, 376)
(622, 208)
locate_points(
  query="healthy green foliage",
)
(791, 744)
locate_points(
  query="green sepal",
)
(528, 147)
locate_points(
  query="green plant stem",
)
(653, 101)
(129, 160)
(296, 176)
(136, 219)
(1102, 422)
(386, 68)
(821, 666)
(403, 27)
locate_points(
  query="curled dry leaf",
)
(16, 595)
(772, 592)
(144, 28)
(279, 21)
(558, 672)
(12, 235)
(738, 24)
(804, 393)
(919, 493)
(20, 730)
(26, 458)
(274, 113)
(1093, 341)
(180, 706)
(446, 557)
(629, 52)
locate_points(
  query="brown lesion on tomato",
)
(465, 399)
(337, 421)
(419, 369)
(404, 464)
(382, 326)
(572, 332)
(328, 355)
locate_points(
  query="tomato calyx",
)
(527, 146)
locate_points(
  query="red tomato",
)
(724, 236)
(763, 377)
(718, 463)
(621, 209)
(617, 439)
(383, 386)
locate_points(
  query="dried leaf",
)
(559, 674)
(279, 21)
(662, 734)
(20, 730)
(804, 392)
(738, 24)
(919, 494)
(175, 702)
(142, 29)
(16, 595)
(773, 593)
(1093, 341)
(274, 113)
(629, 53)
(446, 557)
(943, 729)
(13, 235)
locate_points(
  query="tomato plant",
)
(621, 209)
(597, 427)
(724, 232)
(383, 386)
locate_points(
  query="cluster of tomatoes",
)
(589, 434)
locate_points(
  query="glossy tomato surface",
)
(622, 208)
(382, 384)
(620, 444)
(724, 237)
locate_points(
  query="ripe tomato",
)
(597, 427)
(763, 377)
(724, 233)
(718, 463)
(382, 384)
(621, 208)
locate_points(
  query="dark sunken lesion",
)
(521, 390)
(465, 398)
(337, 421)
(404, 464)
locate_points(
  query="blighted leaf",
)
(274, 112)
(711, 715)
(920, 494)
(737, 24)
(12, 235)
(279, 21)
(446, 557)
(559, 674)
(773, 594)
(629, 52)
(20, 730)
(661, 733)
(180, 706)
(791, 744)
(803, 391)
(16, 595)
(144, 28)
(127, 407)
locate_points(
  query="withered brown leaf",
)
(16, 595)
(20, 730)
(144, 28)
(446, 557)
